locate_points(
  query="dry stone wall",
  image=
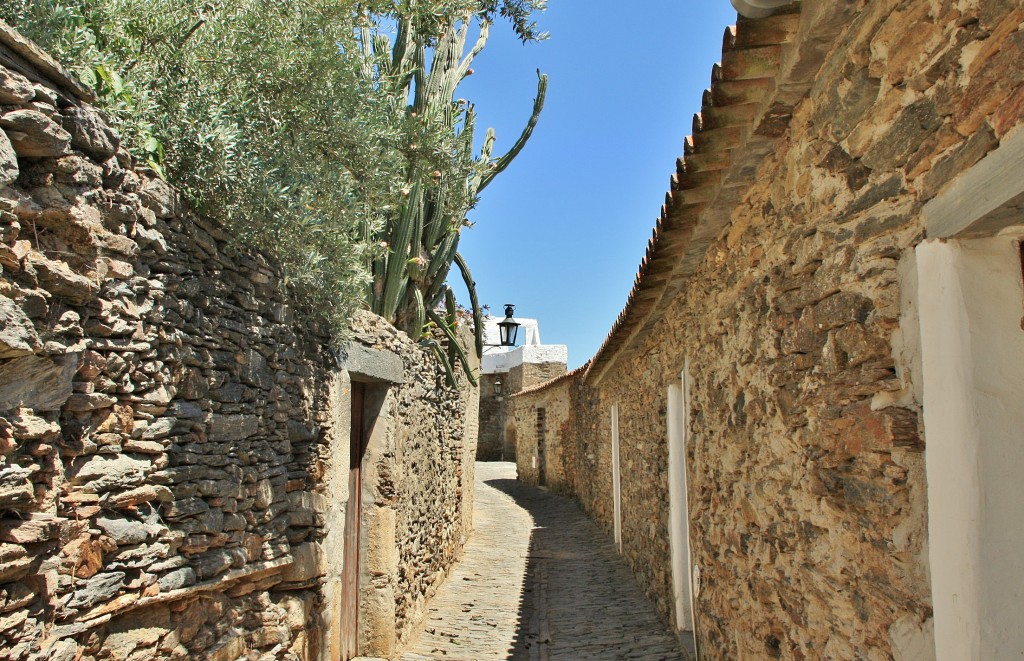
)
(539, 436)
(417, 484)
(495, 442)
(491, 419)
(807, 495)
(168, 424)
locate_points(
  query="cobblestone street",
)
(538, 581)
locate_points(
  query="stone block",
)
(158, 196)
(235, 427)
(34, 134)
(255, 372)
(18, 336)
(96, 589)
(15, 487)
(35, 382)
(102, 473)
(125, 531)
(9, 170)
(370, 364)
(144, 494)
(89, 133)
(34, 529)
(57, 278)
(15, 89)
(177, 579)
(307, 563)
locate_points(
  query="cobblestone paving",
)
(539, 581)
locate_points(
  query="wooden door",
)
(353, 512)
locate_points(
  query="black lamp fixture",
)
(497, 387)
(508, 327)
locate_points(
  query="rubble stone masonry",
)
(169, 426)
(805, 457)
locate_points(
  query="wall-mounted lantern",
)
(497, 387)
(508, 327)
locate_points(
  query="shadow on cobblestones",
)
(580, 599)
(538, 581)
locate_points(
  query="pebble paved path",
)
(538, 581)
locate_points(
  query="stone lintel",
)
(984, 200)
(370, 365)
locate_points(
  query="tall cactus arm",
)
(366, 39)
(400, 56)
(503, 162)
(474, 302)
(395, 277)
(481, 41)
(419, 77)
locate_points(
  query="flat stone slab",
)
(371, 364)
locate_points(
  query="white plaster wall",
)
(971, 305)
(496, 360)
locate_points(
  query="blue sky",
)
(561, 232)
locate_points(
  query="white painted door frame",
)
(970, 303)
(616, 478)
(679, 510)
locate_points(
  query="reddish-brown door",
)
(350, 570)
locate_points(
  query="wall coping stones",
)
(370, 364)
(35, 64)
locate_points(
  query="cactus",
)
(444, 179)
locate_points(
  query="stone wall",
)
(169, 428)
(536, 462)
(494, 443)
(491, 418)
(417, 484)
(807, 495)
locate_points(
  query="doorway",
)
(353, 516)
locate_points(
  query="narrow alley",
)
(538, 581)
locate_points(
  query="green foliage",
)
(258, 111)
(302, 127)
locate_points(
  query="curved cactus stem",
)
(440, 263)
(478, 317)
(504, 161)
(453, 342)
(449, 371)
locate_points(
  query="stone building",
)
(803, 430)
(505, 371)
(186, 470)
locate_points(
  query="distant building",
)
(512, 369)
